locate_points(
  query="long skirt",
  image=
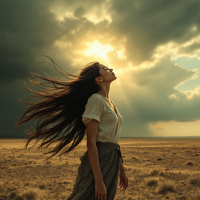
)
(109, 159)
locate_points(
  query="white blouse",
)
(98, 107)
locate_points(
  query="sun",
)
(96, 48)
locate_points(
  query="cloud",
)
(152, 97)
(28, 31)
(192, 47)
(147, 25)
(143, 34)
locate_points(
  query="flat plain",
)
(166, 168)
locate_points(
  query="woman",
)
(81, 107)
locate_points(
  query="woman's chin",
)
(115, 78)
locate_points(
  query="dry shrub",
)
(189, 163)
(12, 194)
(182, 197)
(31, 194)
(161, 173)
(26, 195)
(159, 159)
(165, 186)
(154, 172)
(41, 184)
(194, 179)
(151, 181)
(134, 158)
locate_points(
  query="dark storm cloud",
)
(28, 29)
(148, 24)
(11, 109)
(190, 49)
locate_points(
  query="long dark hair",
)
(63, 104)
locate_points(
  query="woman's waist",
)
(106, 146)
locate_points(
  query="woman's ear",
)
(98, 79)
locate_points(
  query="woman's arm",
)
(92, 130)
(121, 167)
(94, 162)
(122, 176)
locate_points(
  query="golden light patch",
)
(194, 28)
(174, 128)
(121, 54)
(61, 15)
(190, 93)
(96, 19)
(91, 15)
(173, 96)
(96, 48)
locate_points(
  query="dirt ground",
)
(156, 169)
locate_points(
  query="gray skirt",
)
(109, 159)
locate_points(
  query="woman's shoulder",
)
(95, 102)
(95, 99)
(95, 96)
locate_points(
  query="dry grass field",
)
(156, 169)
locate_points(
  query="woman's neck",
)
(106, 96)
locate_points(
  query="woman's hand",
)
(100, 190)
(123, 180)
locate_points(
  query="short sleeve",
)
(93, 110)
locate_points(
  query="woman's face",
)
(107, 73)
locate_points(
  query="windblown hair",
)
(61, 104)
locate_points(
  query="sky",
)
(152, 46)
